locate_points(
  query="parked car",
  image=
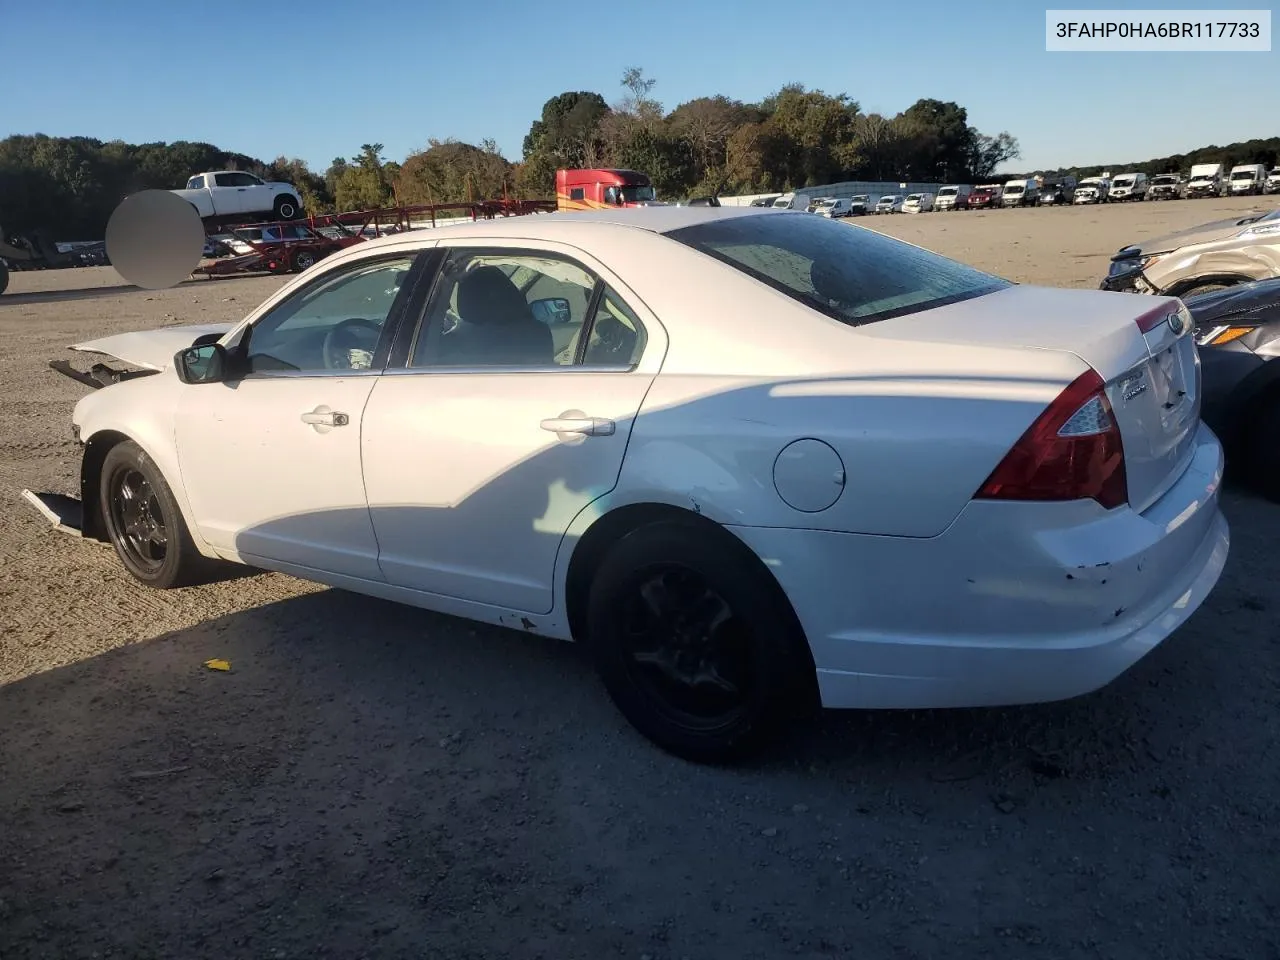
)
(890, 203)
(889, 425)
(1273, 182)
(1206, 180)
(859, 205)
(1128, 186)
(1205, 258)
(1166, 186)
(793, 201)
(1248, 178)
(832, 207)
(1057, 192)
(221, 194)
(1020, 193)
(918, 203)
(985, 197)
(953, 197)
(1238, 332)
(1092, 190)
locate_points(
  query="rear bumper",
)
(1014, 603)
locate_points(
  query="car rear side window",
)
(852, 274)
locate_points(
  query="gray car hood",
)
(1204, 233)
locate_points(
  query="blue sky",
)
(322, 78)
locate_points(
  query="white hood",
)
(153, 349)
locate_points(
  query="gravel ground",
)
(374, 781)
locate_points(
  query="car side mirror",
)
(206, 363)
(551, 310)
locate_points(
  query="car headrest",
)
(487, 296)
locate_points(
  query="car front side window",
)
(334, 325)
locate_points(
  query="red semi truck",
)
(602, 189)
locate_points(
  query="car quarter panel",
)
(1014, 603)
(916, 426)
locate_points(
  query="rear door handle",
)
(329, 419)
(575, 421)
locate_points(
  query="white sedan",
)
(753, 459)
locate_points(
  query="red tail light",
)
(1072, 451)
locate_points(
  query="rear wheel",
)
(4, 276)
(304, 259)
(143, 521)
(695, 642)
(286, 208)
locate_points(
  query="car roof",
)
(560, 225)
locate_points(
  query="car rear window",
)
(850, 273)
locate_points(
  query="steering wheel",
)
(340, 344)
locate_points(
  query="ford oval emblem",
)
(1179, 322)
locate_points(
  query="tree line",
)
(794, 138)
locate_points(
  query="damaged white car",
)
(751, 458)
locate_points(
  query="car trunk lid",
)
(1153, 380)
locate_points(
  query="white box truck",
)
(1206, 180)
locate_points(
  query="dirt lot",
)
(375, 781)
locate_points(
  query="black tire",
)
(304, 259)
(145, 525)
(4, 276)
(287, 208)
(1198, 288)
(762, 652)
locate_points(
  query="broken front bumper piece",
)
(65, 513)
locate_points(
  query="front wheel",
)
(143, 521)
(695, 642)
(1197, 289)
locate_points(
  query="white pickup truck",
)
(233, 193)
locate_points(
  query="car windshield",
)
(1165, 180)
(637, 194)
(948, 191)
(854, 275)
(1242, 175)
(1124, 182)
(1015, 188)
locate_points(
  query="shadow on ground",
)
(371, 780)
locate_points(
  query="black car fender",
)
(1236, 411)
